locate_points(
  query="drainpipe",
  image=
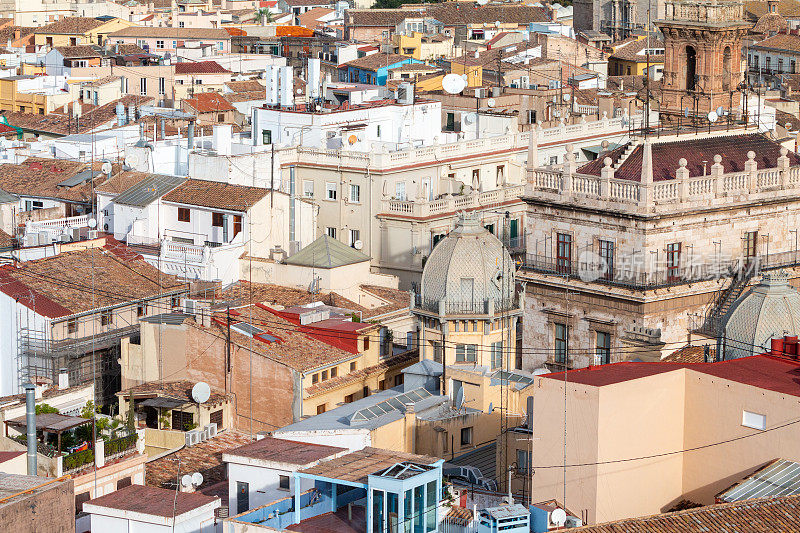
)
(30, 415)
(190, 143)
(292, 214)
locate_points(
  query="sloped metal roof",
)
(780, 478)
(327, 252)
(148, 190)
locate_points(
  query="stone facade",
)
(673, 254)
(703, 50)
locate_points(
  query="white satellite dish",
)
(713, 116)
(482, 2)
(92, 223)
(197, 479)
(720, 111)
(491, 102)
(105, 168)
(131, 160)
(566, 97)
(458, 402)
(186, 480)
(453, 83)
(201, 392)
(469, 118)
(558, 517)
(465, 78)
(358, 245)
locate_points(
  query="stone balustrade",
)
(451, 204)
(558, 183)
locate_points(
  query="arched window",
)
(691, 68)
(726, 69)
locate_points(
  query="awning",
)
(162, 403)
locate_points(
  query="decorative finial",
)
(751, 155)
(607, 162)
(717, 158)
(682, 162)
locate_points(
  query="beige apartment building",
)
(641, 432)
(400, 204)
(654, 239)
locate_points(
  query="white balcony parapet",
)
(451, 204)
(57, 224)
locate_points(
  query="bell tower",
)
(703, 51)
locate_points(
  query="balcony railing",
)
(491, 306)
(452, 204)
(648, 278)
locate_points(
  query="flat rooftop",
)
(14, 487)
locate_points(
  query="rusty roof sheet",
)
(356, 466)
(285, 451)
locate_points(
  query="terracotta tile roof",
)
(770, 23)
(753, 516)
(251, 96)
(105, 80)
(285, 451)
(309, 2)
(6, 240)
(357, 466)
(296, 347)
(13, 400)
(59, 124)
(172, 33)
(310, 19)
(128, 49)
(757, 8)
(208, 103)
(40, 177)
(152, 501)
(460, 516)
(689, 354)
(634, 51)
(58, 286)
(376, 61)
(179, 390)
(733, 150)
(245, 86)
(204, 457)
(121, 182)
(77, 52)
(7, 32)
(216, 194)
(200, 67)
(782, 41)
(763, 371)
(7, 456)
(400, 360)
(783, 118)
(70, 26)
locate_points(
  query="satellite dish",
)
(558, 517)
(713, 116)
(186, 480)
(465, 78)
(491, 102)
(92, 223)
(358, 245)
(131, 160)
(453, 83)
(458, 402)
(201, 392)
(566, 97)
(482, 2)
(469, 118)
(352, 139)
(106, 168)
(720, 111)
(197, 479)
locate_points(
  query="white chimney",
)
(222, 138)
(63, 379)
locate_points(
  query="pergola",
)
(48, 423)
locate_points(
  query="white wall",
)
(14, 316)
(352, 439)
(263, 484)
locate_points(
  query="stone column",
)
(751, 167)
(682, 175)
(783, 167)
(606, 175)
(646, 190)
(717, 170)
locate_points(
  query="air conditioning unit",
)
(188, 306)
(192, 437)
(573, 521)
(76, 233)
(405, 93)
(480, 92)
(222, 511)
(44, 238)
(203, 434)
(212, 430)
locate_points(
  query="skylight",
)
(396, 403)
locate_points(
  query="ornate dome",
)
(770, 24)
(769, 310)
(468, 267)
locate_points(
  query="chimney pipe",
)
(292, 214)
(63, 379)
(30, 416)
